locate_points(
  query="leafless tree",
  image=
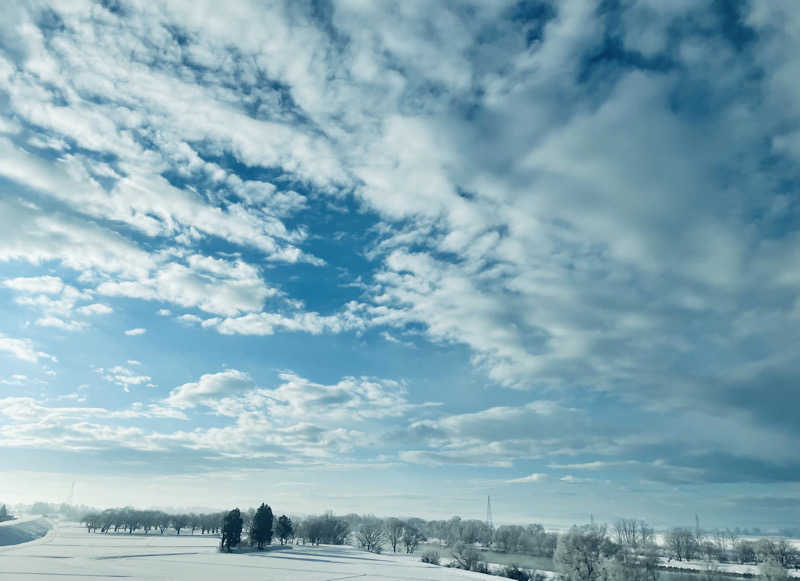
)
(371, 536)
(411, 538)
(682, 542)
(646, 534)
(394, 531)
(627, 532)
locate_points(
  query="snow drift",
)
(22, 531)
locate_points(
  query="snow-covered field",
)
(734, 568)
(69, 551)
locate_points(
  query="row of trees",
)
(130, 520)
(630, 539)
(405, 534)
(4, 515)
(589, 554)
(260, 524)
(530, 540)
(373, 533)
(325, 529)
(628, 553)
(725, 546)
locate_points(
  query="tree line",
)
(725, 546)
(627, 551)
(405, 534)
(130, 520)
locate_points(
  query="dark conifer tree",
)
(285, 529)
(231, 530)
(261, 528)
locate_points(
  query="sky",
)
(396, 257)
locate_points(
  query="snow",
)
(23, 530)
(701, 565)
(548, 575)
(72, 552)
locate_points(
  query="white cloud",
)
(124, 376)
(212, 285)
(349, 318)
(535, 477)
(190, 319)
(526, 211)
(95, 309)
(35, 284)
(22, 349)
(35, 236)
(210, 387)
(136, 331)
(51, 321)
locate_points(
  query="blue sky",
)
(396, 257)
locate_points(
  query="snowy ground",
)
(23, 530)
(69, 551)
(700, 565)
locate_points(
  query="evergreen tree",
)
(261, 527)
(4, 513)
(231, 530)
(285, 529)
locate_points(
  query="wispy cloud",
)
(535, 477)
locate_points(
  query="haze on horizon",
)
(395, 257)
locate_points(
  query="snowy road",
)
(69, 551)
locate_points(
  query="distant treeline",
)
(130, 520)
(531, 539)
(627, 536)
(725, 546)
(70, 511)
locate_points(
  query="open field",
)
(69, 551)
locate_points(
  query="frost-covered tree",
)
(771, 570)
(579, 553)
(412, 537)
(179, 521)
(371, 536)
(394, 531)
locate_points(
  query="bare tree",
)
(394, 531)
(627, 532)
(646, 534)
(179, 521)
(733, 537)
(411, 538)
(682, 542)
(745, 552)
(370, 536)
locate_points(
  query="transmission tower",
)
(71, 497)
(489, 522)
